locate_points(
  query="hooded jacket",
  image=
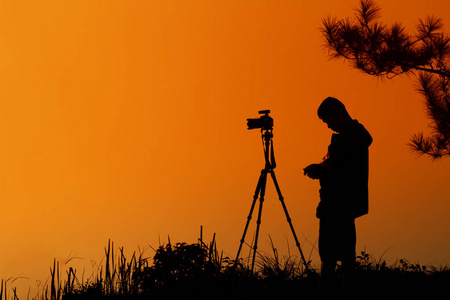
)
(345, 174)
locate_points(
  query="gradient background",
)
(126, 120)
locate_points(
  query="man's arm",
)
(314, 171)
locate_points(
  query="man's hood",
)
(357, 129)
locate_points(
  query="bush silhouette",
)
(181, 268)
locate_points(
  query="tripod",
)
(267, 136)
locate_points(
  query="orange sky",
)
(127, 120)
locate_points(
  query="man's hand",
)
(312, 171)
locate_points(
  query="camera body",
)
(265, 122)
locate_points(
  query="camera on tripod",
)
(264, 122)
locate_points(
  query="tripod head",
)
(269, 156)
(267, 134)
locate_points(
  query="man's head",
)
(333, 113)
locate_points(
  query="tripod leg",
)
(255, 197)
(280, 196)
(258, 222)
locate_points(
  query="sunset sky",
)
(126, 120)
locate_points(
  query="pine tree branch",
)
(431, 70)
(380, 51)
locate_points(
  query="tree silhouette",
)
(388, 51)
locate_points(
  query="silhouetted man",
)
(343, 176)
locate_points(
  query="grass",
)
(200, 270)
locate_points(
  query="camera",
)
(264, 122)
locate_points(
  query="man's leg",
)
(349, 258)
(348, 270)
(327, 245)
(328, 279)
